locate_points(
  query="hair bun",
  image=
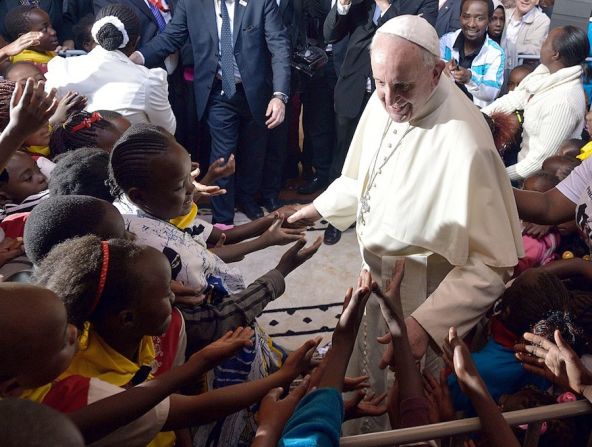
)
(109, 32)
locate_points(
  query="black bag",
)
(309, 60)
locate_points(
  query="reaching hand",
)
(275, 113)
(218, 169)
(186, 295)
(439, 395)
(308, 212)
(10, 249)
(288, 210)
(364, 405)
(31, 39)
(457, 355)
(274, 412)
(300, 360)
(297, 255)
(562, 363)
(276, 235)
(30, 108)
(390, 300)
(354, 305)
(223, 348)
(70, 103)
(535, 230)
(355, 383)
(202, 190)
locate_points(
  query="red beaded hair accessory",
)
(87, 123)
(103, 275)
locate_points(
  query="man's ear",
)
(10, 388)
(136, 195)
(438, 69)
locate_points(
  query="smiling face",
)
(169, 193)
(404, 82)
(39, 21)
(24, 178)
(474, 20)
(525, 6)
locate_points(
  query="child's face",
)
(24, 178)
(40, 22)
(496, 24)
(153, 307)
(516, 77)
(170, 192)
(21, 72)
(568, 149)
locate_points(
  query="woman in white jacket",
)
(109, 79)
(552, 98)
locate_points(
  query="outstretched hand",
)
(276, 235)
(364, 405)
(390, 300)
(30, 108)
(219, 169)
(28, 40)
(223, 348)
(300, 360)
(297, 255)
(202, 190)
(457, 356)
(308, 212)
(69, 104)
(354, 305)
(557, 362)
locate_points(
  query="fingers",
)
(299, 392)
(16, 94)
(537, 340)
(274, 394)
(365, 280)
(308, 252)
(561, 344)
(221, 241)
(294, 249)
(385, 339)
(347, 298)
(296, 216)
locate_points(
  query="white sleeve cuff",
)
(342, 9)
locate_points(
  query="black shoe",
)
(272, 204)
(332, 235)
(316, 184)
(251, 210)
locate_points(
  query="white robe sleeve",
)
(158, 109)
(462, 298)
(339, 203)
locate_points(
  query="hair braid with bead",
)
(6, 90)
(65, 139)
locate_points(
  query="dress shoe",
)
(316, 184)
(272, 204)
(251, 210)
(332, 235)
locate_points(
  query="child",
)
(532, 297)
(497, 22)
(571, 148)
(21, 71)
(560, 166)
(25, 18)
(22, 185)
(538, 251)
(517, 75)
(35, 354)
(83, 39)
(84, 129)
(83, 171)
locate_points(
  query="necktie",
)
(226, 57)
(377, 12)
(157, 15)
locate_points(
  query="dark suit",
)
(448, 17)
(351, 89)
(262, 53)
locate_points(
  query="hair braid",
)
(131, 156)
(65, 139)
(108, 36)
(6, 90)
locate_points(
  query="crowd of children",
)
(121, 311)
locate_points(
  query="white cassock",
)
(435, 191)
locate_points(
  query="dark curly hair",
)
(83, 172)
(131, 156)
(72, 270)
(57, 219)
(108, 36)
(6, 90)
(18, 21)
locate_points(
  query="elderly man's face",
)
(403, 82)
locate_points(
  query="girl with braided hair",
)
(84, 129)
(107, 77)
(536, 299)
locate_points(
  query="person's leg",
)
(250, 158)
(223, 122)
(318, 122)
(273, 167)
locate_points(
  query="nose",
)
(391, 97)
(51, 31)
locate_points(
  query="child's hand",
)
(218, 169)
(202, 190)
(364, 405)
(274, 413)
(439, 395)
(186, 295)
(276, 235)
(557, 362)
(353, 309)
(70, 103)
(300, 360)
(457, 355)
(355, 383)
(287, 210)
(30, 108)
(390, 300)
(297, 255)
(223, 348)
(10, 249)
(25, 41)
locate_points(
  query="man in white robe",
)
(423, 180)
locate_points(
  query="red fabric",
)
(502, 335)
(167, 345)
(14, 225)
(68, 395)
